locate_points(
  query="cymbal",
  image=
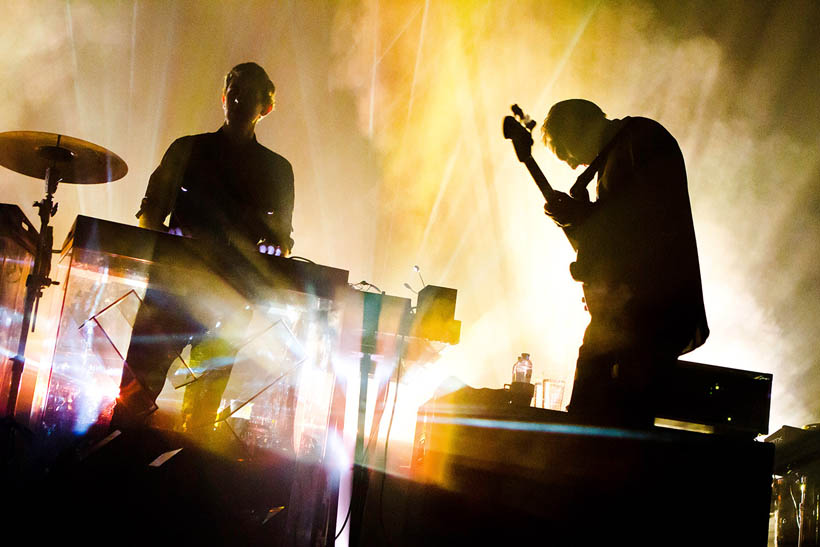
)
(74, 161)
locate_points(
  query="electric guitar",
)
(518, 128)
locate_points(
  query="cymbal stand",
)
(38, 279)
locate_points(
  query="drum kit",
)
(54, 159)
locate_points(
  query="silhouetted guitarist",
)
(636, 253)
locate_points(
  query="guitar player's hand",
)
(564, 210)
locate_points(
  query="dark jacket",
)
(224, 193)
(639, 235)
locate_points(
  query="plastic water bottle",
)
(522, 369)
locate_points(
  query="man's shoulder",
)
(645, 125)
(647, 128)
(645, 135)
(186, 142)
(275, 160)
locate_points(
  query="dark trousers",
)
(617, 371)
(164, 325)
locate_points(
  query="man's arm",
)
(162, 188)
(279, 217)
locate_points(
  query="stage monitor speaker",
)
(729, 400)
(435, 312)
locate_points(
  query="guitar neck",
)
(539, 178)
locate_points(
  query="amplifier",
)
(796, 449)
(435, 312)
(729, 400)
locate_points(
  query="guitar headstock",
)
(518, 128)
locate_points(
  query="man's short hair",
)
(569, 116)
(252, 72)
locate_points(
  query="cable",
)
(301, 259)
(342, 529)
(361, 284)
(796, 506)
(386, 442)
(350, 505)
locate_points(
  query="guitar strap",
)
(579, 189)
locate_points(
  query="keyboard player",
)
(224, 188)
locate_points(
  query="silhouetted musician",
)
(637, 257)
(227, 189)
